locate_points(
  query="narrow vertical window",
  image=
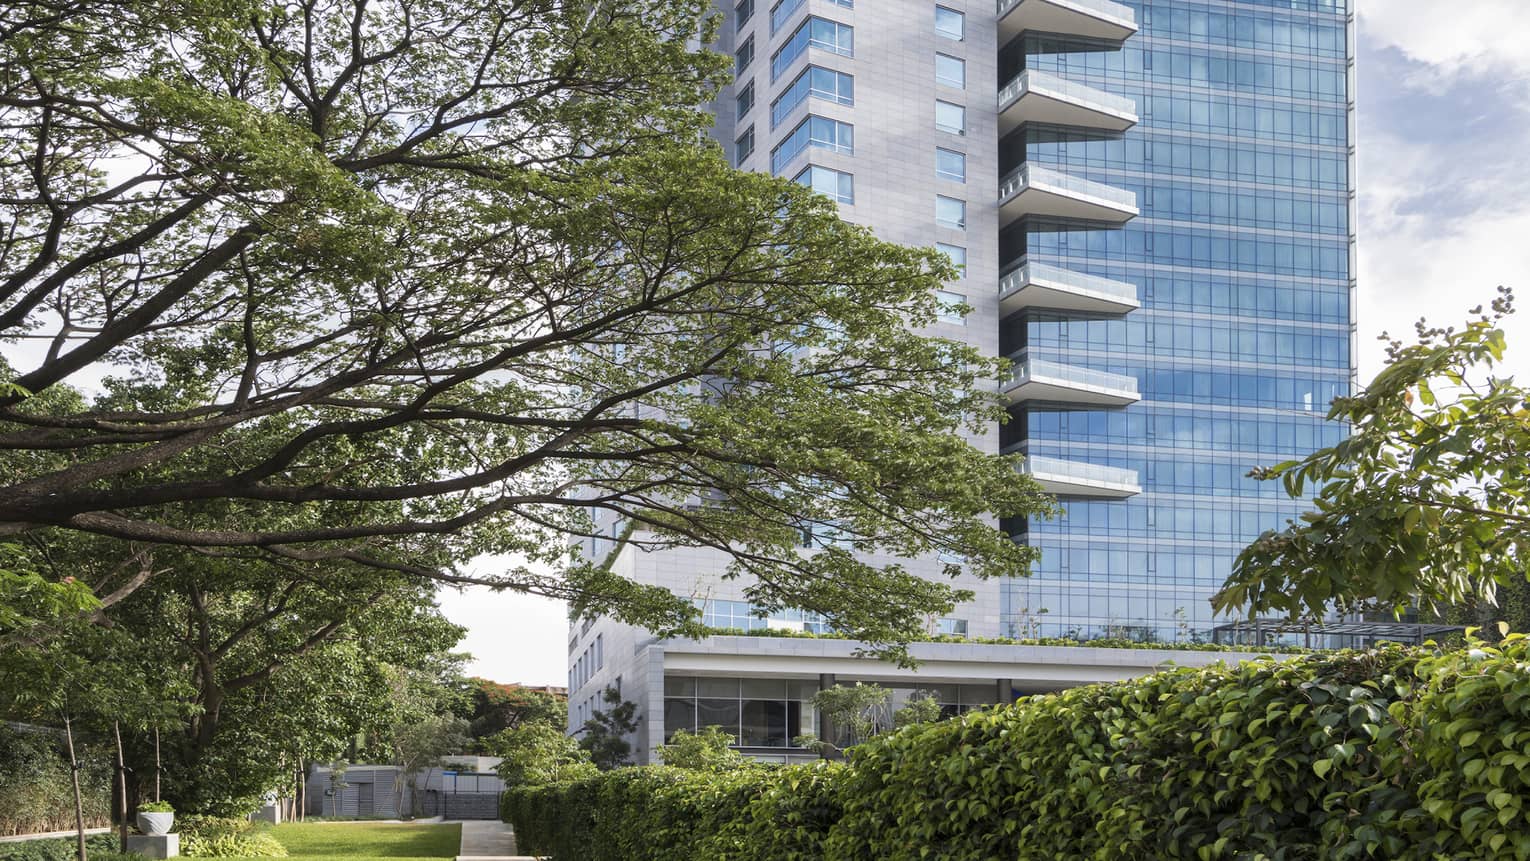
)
(743, 146)
(744, 55)
(950, 164)
(950, 212)
(743, 10)
(951, 71)
(745, 99)
(950, 117)
(950, 23)
(957, 254)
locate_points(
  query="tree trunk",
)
(157, 766)
(122, 799)
(79, 803)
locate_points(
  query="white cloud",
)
(1464, 37)
(1444, 206)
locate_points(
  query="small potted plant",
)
(155, 817)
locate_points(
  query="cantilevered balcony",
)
(1033, 191)
(1071, 478)
(1090, 19)
(1037, 285)
(1034, 96)
(1053, 382)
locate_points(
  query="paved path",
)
(49, 835)
(488, 840)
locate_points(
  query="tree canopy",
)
(1425, 505)
(396, 283)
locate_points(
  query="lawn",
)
(352, 841)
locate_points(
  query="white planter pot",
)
(155, 823)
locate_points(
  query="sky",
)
(1444, 218)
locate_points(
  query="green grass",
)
(353, 841)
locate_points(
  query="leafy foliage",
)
(1426, 505)
(711, 749)
(605, 734)
(98, 846)
(35, 794)
(397, 284)
(1404, 754)
(495, 707)
(538, 753)
(231, 837)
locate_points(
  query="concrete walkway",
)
(488, 840)
(50, 835)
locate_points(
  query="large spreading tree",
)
(1425, 506)
(394, 284)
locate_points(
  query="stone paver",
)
(488, 840)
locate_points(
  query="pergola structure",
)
(1256, 632)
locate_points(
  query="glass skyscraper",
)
(1240, 261)
(1151, 205)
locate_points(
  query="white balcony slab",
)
(1054, 382)
(1041, 192)
(1041, 98)
(1070, 478)
(1089, 19)
(1037, 285)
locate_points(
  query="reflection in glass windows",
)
(950, 164)
(833, 184)
(950, 117)
(816, 131)
(756, 712)
(820, 33)
(950, 23)
(817, 82)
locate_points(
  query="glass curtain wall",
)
(1241, 257)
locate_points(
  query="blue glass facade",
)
(1242, 258)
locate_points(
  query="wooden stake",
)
(122, 801)
(79, 803)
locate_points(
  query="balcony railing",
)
(1039, 285)
(1032, 190)
(1041, 97)
(1076, 478)
(1026, 370)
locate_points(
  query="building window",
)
(757, 712)
(951, 627)
(950, 117)
(950, 212)
(951, 307)
(815, 131)
(744, 55)
(743, 147)
(815, 81)
(820, 33)
(745, 99)
(951, 71)
(950, 23)
(950, 164)
(743, 10)
(600, 651)
(957, 254)
(833, 184)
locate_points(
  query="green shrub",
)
(35, 790)
(1391, 753)
(226, 837)
(57, 849)
(156, 807)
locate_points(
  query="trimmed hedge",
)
(1391, 753)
